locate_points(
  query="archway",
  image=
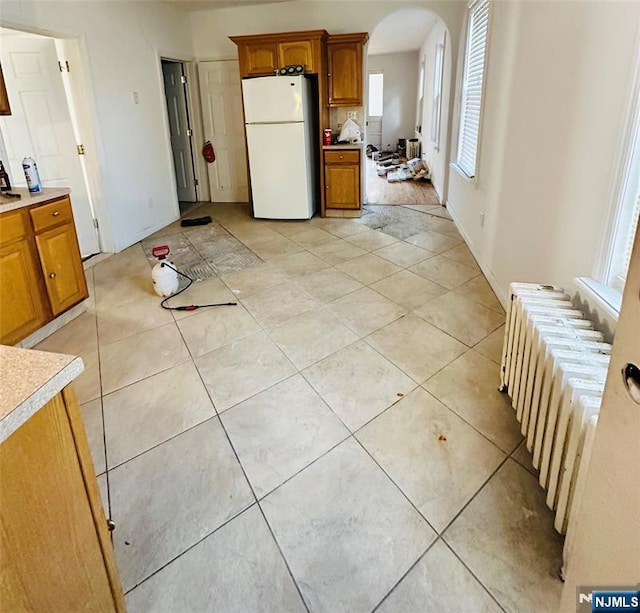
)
(407, 108)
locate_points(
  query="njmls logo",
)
(607, 599)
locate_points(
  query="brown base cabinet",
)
(56, 553)
(342, 179)
(22, 309)
(41, 273)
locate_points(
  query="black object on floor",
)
(198, 221)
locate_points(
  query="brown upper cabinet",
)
(258, 58)
(263, 54)
(5, 109)
(344, 60)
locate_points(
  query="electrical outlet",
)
(352, 115)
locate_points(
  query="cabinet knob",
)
(327, 187)
(342, 157)
(52, 275)
(56, 213)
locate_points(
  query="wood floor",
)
(380, 191)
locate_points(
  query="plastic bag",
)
(350, 132)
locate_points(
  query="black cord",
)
(190, 307)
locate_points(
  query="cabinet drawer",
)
(12, 226)
(342, 157)
(52, 214)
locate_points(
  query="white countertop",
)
(29, 379)
(48, 193)
(354, 146)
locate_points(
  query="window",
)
(420, 99)
(376, 85)
(609, 277)
(438, 71)
(628, 209)
(472, 82)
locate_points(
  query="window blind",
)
(472, 86)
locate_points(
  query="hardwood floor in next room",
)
(334, 443)
(381, 191)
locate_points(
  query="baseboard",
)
(486, 271)
(53, 326)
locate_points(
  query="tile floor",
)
(333, 443)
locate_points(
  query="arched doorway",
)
(407, 110)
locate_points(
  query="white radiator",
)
(554, 366)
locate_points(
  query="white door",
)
(607, 539)
(223, 126)
(40, 126)
(176, 97)
(375, 109)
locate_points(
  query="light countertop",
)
(28, 380)
(355, 146)
(48, 193)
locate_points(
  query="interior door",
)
(224, 127)
(375, 109)
(40, 126)
(176, 97)
(607, 539)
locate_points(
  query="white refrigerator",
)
(278, 114)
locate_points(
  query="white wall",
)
(437, 158)
(212, 28)
(557, 84)
(399, 94)
(122, 41)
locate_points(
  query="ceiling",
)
(205, 5)
(403, 30)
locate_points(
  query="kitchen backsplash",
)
(338, 115)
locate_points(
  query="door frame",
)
(195, 118)
(190, 119)
(84, 99)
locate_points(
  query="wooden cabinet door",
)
(342, 186)
(22, 308)
(297, 52)
(62, 267)
(51, 558)
(345, 74)
(259, 58)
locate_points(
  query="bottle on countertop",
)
(5, 183)
(32, 175)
